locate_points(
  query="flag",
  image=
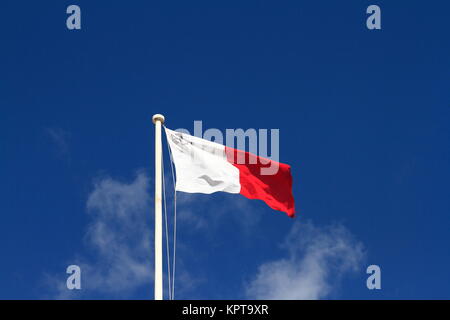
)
(203, 166)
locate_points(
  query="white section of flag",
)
(201, 165)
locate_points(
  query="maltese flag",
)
(203, 166)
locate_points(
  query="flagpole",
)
(158, 120)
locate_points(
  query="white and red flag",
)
(203, 166)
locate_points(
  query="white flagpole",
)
(158, 120)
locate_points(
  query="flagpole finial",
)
(158, 117)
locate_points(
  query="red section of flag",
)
(275, 189)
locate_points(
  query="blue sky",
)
(363, 118)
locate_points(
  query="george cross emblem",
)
(178, 139)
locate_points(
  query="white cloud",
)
(119, 236)
(60, 138)
(316, 260)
